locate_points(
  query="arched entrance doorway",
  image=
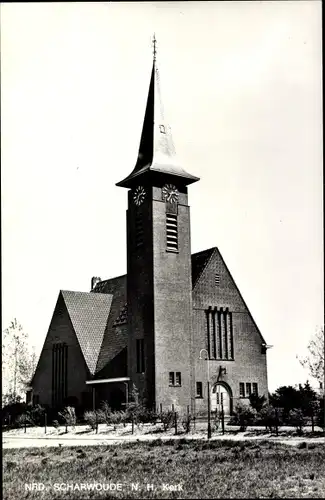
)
(221, 397)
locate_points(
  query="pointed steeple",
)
(156, 152)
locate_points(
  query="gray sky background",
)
(241, 84)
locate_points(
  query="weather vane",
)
(154, 42)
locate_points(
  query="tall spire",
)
(156, 152)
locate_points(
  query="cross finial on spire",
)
(154, 42)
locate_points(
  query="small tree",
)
(18, 362)
(296, 418)
(271, 417)
(314, 361)
(320, 416)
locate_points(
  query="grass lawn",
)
(219, 469)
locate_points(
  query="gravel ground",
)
(81, 435)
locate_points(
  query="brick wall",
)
(249, 364)
(61, 330)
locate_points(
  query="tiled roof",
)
(88, 313)
(100, 316)
(115, 338)
(199, 262)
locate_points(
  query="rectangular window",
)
(241, 389)
(255, 391)
(171, 232)
(217, 279)
(248, 389)
(199, 390)
(171, 378)
(178, 378)
(140, 356)
(59, 373)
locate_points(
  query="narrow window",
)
(140, 355)
(199, 390)
(231, 337)
(171, 378)
(178, 378)
(171, 232)
(138, 230)
(241, 390)
(248, 389)
(255, 391)
(217, 279)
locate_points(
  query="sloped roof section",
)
(89, 313)
(199, 262)
(115, 338)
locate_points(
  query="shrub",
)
(243, 416)
(23, 420)
(11, 411)
(90, 418)
(215, 421)
(105, 412)
(68, 415)
(115, 418)
(167, 419)
(186, 421)
(55, 424)
(271, 417)
(296, 418)
(37, 414)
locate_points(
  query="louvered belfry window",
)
(171, 232)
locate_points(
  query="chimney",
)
(94, 281)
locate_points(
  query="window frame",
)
(199, 393)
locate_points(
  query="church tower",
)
(159, 283)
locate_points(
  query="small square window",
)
(171, 378)
(199, 390)
(248, 389)
(178, 378)
(242, 390)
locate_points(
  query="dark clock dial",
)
(170, 193)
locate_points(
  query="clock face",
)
(139, 195)
(170, 193)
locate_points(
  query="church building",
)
(176, 325)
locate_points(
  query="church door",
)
(220, 397)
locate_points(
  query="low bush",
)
(271, 417)
(243, 416)
(90, 418)
(68, 416)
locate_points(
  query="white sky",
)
(241, 84)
